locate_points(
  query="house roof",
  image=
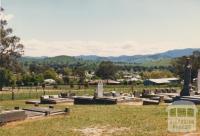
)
(49, 81)
(163, 80)
(109, 81)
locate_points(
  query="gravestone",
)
(99, 90)
(187, 79)
(198, 81)
(47, 111)
(150, 102)
(12, 115)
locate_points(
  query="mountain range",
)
(142, 58)
(136, 59)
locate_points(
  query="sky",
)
(104, 27)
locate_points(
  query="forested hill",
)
(51, 60)
(59, 61)
(145, 60)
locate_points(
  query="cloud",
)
(7, 17)
(36, 47)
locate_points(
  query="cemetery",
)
(99, 68)
(146, 97)
(133, 103)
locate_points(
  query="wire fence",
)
(29, 92)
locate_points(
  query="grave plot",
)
(159, 95)
(33, 114)
(54, 99)
(51, 99)
(150, 102)
(12, 115)
(171, 95)
(45, 111)
(32, 102)
(29, 113)
(100, 97)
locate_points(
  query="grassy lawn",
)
(97, 120)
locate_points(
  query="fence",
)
(28, 92)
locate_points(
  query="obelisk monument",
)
(187, 79)
(198, 81)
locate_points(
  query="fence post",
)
(36, 91)
(43, 87)
(13, 95)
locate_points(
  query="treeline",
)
(15, 70)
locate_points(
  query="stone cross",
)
(187, 79)
(99, 90)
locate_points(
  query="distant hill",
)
(142, 58)
(51, 60)
(161, 59)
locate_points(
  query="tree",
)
(37, 78)
(30, 79)
(50, 74)
(66, 80)
(179, 64)
(5, 79)
(66, 71)
(35, 68)
(157, 74)
(106, 70)
(80, 72)
(26, 79)
(10, 47)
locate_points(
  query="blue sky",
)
(104, 27)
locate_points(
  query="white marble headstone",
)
(198, 81)
(99, 89)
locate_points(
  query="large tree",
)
(179, 64)
(106, 70)
(50, 74)
(5, 78)
(10, 47)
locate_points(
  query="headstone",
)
(198, 81)
(150, 102)
(187, 79)
(99, 90)
(12, 115)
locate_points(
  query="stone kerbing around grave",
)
(12, 115)
(30, 113)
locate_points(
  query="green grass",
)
(139, 121)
